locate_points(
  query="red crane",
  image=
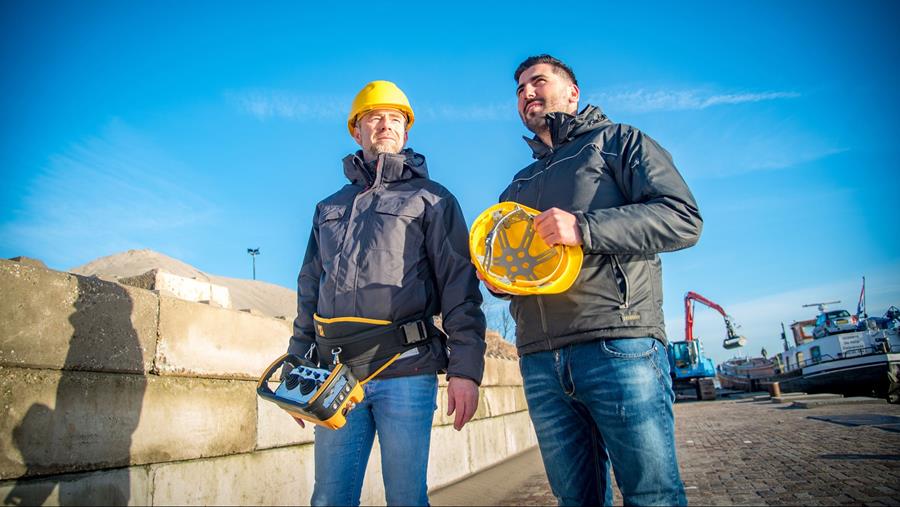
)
(731, 342)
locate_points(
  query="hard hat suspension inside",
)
(517, 264)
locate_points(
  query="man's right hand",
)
(489, 286)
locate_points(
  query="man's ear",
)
(574, 93)
(357, 135)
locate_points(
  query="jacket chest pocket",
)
(397, 226)
(393, 244)
(332, 228)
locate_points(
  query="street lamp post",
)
(253, 253)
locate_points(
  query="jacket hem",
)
(557, 342)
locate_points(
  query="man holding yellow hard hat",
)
(387, 253)
(603, 199)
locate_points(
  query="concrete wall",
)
(116, 394)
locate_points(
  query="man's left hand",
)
(558, 227)
(462, 397)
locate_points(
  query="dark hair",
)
(558, 66)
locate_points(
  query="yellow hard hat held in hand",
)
(379, 95)
(509, 253)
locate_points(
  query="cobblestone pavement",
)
(760, 453)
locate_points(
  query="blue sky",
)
(199, 129)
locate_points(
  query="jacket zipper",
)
(621, 270)
(540, 193)
(375, 182)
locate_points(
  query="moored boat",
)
(745, 373)
(865, 362)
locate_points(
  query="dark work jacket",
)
(392, 245)
(630, 203)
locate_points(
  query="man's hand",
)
(489, 286)
(558, 227)
(462, 396)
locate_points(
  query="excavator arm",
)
(732, 341)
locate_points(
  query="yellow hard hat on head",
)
(510, 255)
(376, 95)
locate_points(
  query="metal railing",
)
(879, 348)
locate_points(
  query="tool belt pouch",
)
(365, 344)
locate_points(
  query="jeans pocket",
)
(628, 348)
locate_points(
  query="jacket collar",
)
(564, 127)
(388, 168)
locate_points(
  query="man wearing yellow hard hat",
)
(387, 253)
(592, 346)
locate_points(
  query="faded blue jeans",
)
(600, 403)
(400, 410)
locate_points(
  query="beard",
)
(384, 146)
(536, 120)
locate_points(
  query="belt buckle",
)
(414, 332)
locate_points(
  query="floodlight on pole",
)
(253, 253)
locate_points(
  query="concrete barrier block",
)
(188, 289)
(501, 400)
(273, 477)
(449, 457)
(123, 486)
(220, 295)
(501, 372)
(521, 402)
(487, 442)
(195, 418)
(276, 428)
(199, 340)
(58, 321)
(62, 421)
(519, 432)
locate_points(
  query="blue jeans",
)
(600, 403)
(400, 410)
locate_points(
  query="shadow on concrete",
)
(881, 421)
(94, 415)
(856, 457)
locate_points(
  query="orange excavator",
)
(689, 367)
(732, 340)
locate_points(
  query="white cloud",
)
(642, 101)
(104, 194)
(474, 112)
(266, 104)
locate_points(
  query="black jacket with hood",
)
(393, 245)
(630, 203)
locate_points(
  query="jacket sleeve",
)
(446, 241)
(662, 215)
(307, 294)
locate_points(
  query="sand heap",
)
(266, 298)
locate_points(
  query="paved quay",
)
(744, 452)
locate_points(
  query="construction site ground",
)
(743, 452)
